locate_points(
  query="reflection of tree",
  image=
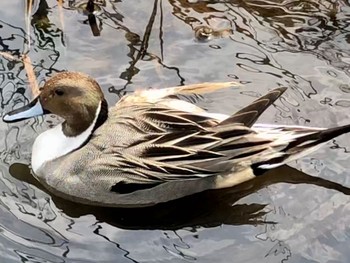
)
(12, 79)
(205, 11)
(138, 45)
(14, 90)
(295, 26)
(46, 35)
(39, 18)
(139, 48)
(89, 8)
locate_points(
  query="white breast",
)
(53, 144)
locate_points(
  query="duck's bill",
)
(28, 111)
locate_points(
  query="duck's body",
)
(151, 148)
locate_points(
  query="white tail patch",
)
(261, 126)
(270, 166)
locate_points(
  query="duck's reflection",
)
(207, 209)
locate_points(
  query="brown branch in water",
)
(31, 75)
(9, 56)
(25, 59)
(60, 13)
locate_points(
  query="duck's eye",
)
(59, 92)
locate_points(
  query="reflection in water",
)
(213, 208)
(90, 9)
(141, 51)
(205, 33)
(298, 44)
(294, 26)
(57, 220)
(138, 45)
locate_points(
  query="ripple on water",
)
(302, 45)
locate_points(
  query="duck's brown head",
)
(73, 96)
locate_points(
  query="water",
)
(290, 215)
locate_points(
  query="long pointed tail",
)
(300, 146)
(317, 138)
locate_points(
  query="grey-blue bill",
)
(28, 111)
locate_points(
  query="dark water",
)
(291, 215)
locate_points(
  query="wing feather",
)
(167, 143)
(176, 144)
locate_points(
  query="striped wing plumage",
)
(174, 144)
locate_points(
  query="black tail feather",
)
(248, 115)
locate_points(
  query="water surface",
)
(299, 214)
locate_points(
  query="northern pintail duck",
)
(152, 147)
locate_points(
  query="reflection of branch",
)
(91, 18)
(209, 209)
(28, 14)
(60, 12)
(146, 36)
(142, 52)
(161, 30)
(134, 41)
(132, 70)
(177, 70)
(93, 25)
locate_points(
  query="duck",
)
(152, 146)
